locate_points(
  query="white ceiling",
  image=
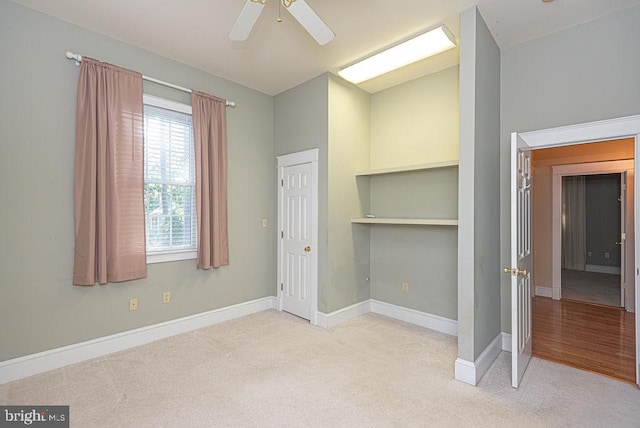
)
(279, 56)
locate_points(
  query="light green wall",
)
(487, 181)
(582, 74)
(332, 115)
(349, 127)
(413, 123)
(39, 308)
(338, 118)
(425, 257)
(416, 122)
(302, 123)
(479, 214)
(421, 194)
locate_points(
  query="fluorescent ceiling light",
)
(435, 41)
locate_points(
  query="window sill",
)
(171, 257)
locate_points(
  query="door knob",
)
(515, 271)
(307, 249)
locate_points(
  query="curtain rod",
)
(78, 59)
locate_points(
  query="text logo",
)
(34, 416)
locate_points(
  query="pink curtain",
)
(109, 193)
(210, 134)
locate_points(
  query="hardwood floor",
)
(590, 337)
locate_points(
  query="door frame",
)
(591, 168)
(611, 129)
(291, 159)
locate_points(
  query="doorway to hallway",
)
(578, 236)
(522, 145)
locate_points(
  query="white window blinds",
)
(169, 173)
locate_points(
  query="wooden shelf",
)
(414, 221)
(409, 168)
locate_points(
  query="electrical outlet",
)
(133, 304)
(589, 254)
(405, 287)
(166, 297)
(606, 255)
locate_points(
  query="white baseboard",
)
(465, 371)
(342, 315)
(29, 365)
(423, 319)
(472, 372)
(603, 269)
(488, 356)
(544, 291)
(506, 342)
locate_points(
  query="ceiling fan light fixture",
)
(425, 45)
(299, 9)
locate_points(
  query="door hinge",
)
(282, 183)
(281, 234)
(281, 286)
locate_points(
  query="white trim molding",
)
(609, 129)
(29, 365)
(422, 319)
(465, 371)
(506, 342)
(544, 291)
(306, 156)
(343, 315)
(471, 372)
(411, 316)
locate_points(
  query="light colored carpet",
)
(274, 369)
(591, 287)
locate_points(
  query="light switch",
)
(265, 223)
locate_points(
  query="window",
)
(169, 180)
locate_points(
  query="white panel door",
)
(296, 238)
(520, 270)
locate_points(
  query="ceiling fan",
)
(300, 10)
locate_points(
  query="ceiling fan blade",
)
(311, 22)
(247, 19)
